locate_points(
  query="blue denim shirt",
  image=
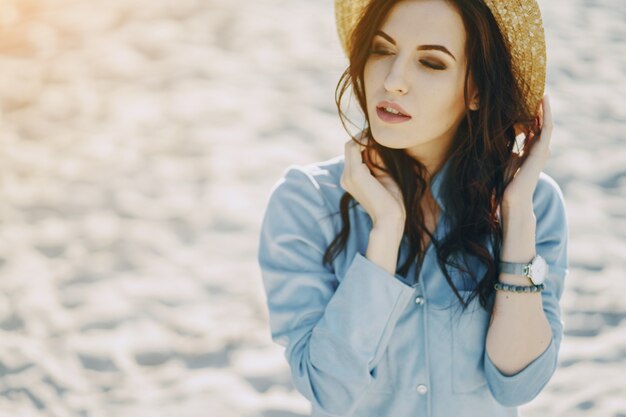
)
(363, 342)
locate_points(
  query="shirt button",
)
(422, 389)
(419, 300)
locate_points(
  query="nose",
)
(396, 79)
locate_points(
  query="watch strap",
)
(517, 268)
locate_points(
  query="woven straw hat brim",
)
(520, 24)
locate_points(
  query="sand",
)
(139, 141)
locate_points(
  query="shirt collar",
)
(435, 185)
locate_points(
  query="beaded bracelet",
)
(518, 288)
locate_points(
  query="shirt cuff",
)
(366, 307)
(524, 385)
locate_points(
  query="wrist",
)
(390, 228)
(383, 248)
(518, 237)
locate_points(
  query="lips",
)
(394, 106)
(387, 117)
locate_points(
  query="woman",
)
(445, 214)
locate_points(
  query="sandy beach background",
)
(139, 140)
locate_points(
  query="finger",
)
(376, 163)
(353, 159)
(365, 154)
(546, 126)
(547, 113)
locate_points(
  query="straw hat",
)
(522, 28)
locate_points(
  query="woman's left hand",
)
(520, 190)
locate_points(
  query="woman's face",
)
(425, 81)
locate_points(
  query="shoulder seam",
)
(306, 170)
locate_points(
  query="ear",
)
(474, 102)
(473, 92)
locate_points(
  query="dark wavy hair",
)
(483, 153)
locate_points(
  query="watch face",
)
(538, 270)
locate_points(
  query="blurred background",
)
(139, 141)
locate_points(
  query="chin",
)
(390, 137)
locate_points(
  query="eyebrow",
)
(419, 48)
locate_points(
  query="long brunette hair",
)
(482, 154)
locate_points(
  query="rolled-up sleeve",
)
(551, 243)
(334, 330)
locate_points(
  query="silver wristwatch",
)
(536, 270)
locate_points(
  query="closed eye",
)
(425, 63)
(433, 66)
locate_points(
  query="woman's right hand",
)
(373, 188)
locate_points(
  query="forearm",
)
(519, 331)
